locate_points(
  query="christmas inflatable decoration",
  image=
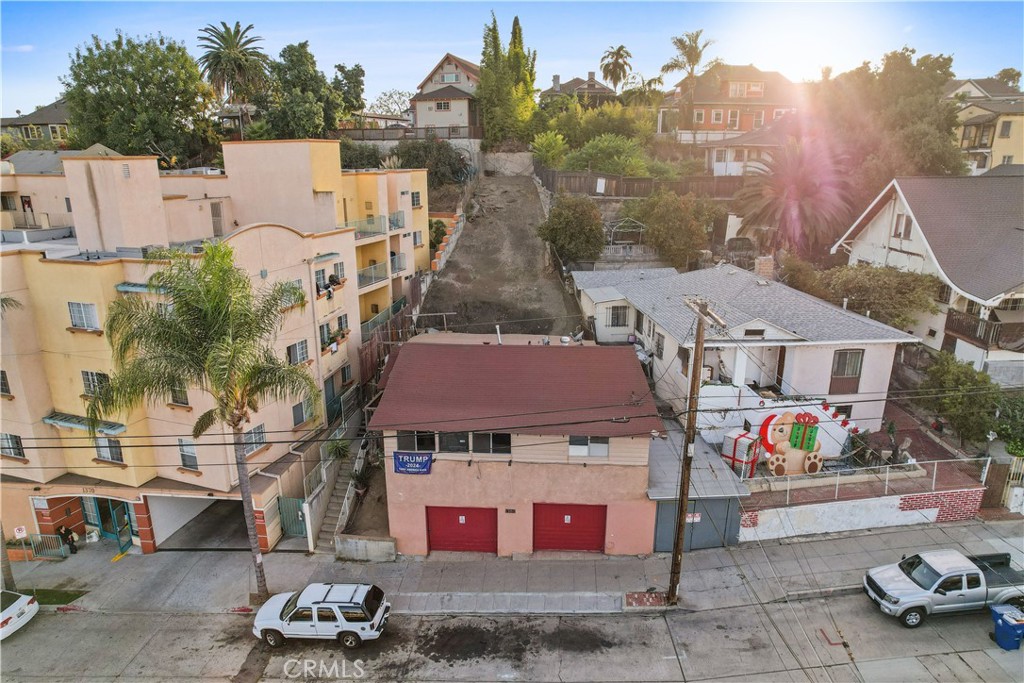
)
(791, 443)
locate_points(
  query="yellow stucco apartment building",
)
(354, 240)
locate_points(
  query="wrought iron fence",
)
(48, 545)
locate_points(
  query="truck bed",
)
(997, 570)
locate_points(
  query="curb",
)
(814, 593)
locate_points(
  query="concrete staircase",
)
(325, 541)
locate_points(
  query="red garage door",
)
(472, 529)
(568, 527)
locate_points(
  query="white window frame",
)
(737, 89)
(289, 303)
(58, 131)
(11, 446)
(93, 381)
(83, 316)
(613, 318)
(179, 397)
(32, 132)
(442, 105)
(300, 353)
(306, 406)
(717, 115)
(759, 119)
(778, 114)
(339, 270)
(449, 77)
(698, 116)
(1007, 159)
(343, 321)
(1004, 128)
(254, 439)
(417, 238)
(721, 156)
(589, 446)
(109, 450)
(187, 453)
(415, 198)
(730, 124)
(320, 275)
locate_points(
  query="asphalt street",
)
(839, 639)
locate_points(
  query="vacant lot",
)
(497, 273)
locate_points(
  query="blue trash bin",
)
(1009, 626)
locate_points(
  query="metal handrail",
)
(398, 263)
(372, 275)
(375, 226)
(396, 220)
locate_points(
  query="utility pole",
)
(699, 307)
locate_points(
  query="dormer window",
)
(450, 78)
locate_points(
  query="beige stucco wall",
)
(427, 115)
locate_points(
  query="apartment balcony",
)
(31, 220)
(381, 318)
(397, 264)
(367, 228)
(971, 328)
(396, 220)
(372, 275)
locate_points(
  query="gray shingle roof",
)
(35, 162)
(992, 86)
(448, 92)
(740, 297)
(975, 228)
(586, 279)
(1005, 170)
(55, 112)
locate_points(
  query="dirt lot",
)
(371, 513)
(497, 272)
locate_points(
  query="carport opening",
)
(198, 524)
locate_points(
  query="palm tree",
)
(8, 303)
(642, 92)
(615, 65)
(801, 195)
(689, 59)
(6, 571)
(216, 335)
(232, 63)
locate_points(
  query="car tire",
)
(912, 618)
(273, 638)
(349, 640)
(1016, 602)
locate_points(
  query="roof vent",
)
(564, 341)
(763, 283)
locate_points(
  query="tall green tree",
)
(690, 59)
(217, 336)
(233, 64)
(1009, 76)
(301, 102)
(964, 397)
(800, 196)
(677, 227)
(394, 102)
(615, 65)
(139, 96)
(348, 83)
(638, 91)
(574, 228)
(505, 96)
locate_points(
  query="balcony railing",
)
(984, 333)
(397, 263)
(376, 321)
(36, 219)
(439, 132)
(396, 220)
(368, 227)
(373, 274)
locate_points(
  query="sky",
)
(398, 43)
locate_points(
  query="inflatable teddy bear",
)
(791, 442)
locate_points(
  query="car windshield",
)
(919, 571)
(374, 597)
(8, 599)
(289, 606)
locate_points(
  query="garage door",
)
(568, 527)
(470, 529)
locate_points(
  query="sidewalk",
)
(549, 583)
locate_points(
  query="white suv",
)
(347, 612)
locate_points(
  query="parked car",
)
(347, 612)
(18, 610)
(943, 582)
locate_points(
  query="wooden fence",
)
(604, 185)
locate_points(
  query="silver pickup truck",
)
(943, 582)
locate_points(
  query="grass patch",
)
(53, 596)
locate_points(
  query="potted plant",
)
(337, 448)
(361, 479)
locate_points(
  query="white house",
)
(969, 232)
(447, 96)
(779, 343)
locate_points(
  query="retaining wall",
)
(508, 163)
(364, 548)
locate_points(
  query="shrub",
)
(443, 162)
(357, 155)
(574, 228)
(676, 226)
(549, 148)
(609, 153)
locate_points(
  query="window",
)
(302, 614)
(739, 155)
(897, 227)
(5, 386)
(254, 439)
(759, 119)
(639, 324)
(650, 327)
(321, 278)
(953, 583)
(59, 132)
(659, 345)
(302, 412)
(720, 156)
(325, 334)
(326, 614)
(339, 270)
(83, 316)
(443, 106)
(734, 118)
(983, 161)
(778, 114)
(94, 382)
(737, 90)
(369, 206)
(346, 374)
(90, 513)
(908, 226)
(179, 396)
(974, 308)
(417, 239)
(1004, 305)
(846, 365)
(449, 78)
(294, 297)
(944, 293)
(343, 321)
(716, 116)
(67, 204)
(1004, 129)
(109, 450)
(298, 352)
(187, 451)
(32, 132)
(415, 199)
(932, 334)
(698, 116)
(354, 615)
(617, 316)
(683, 354)
(594, 446)
(453, 442)
(846, 410)
(1008, 159)
(492, 442)
(973, 581)
(416, 441)
(10, 445)
(7, 203)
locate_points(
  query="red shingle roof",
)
(551, 390)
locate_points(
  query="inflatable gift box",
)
(805, 432)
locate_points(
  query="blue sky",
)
(398, 43)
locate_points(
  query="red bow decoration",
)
(806, 419)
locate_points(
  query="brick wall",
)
(953, 506)
(748, 520)
(66, 511)
(144, 521)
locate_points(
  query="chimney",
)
(590, 76)
(555, 84)
(764, 267)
